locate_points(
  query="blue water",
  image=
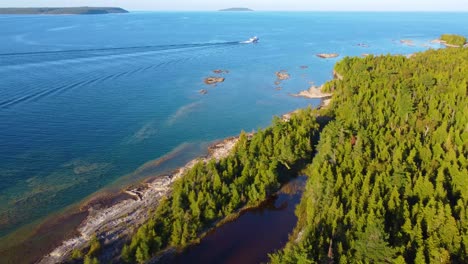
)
(87, 100)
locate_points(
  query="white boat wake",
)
(251, 40)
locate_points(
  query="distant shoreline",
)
(85, 10)
(236, 9)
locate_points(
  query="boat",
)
(251, 40)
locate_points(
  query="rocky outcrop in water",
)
(282, 75)
(407, 42)
(327, 55)
(214, 80)
(219, 71)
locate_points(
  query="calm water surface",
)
(86, 100)
(255, 234)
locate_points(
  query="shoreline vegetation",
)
(85, 10)
(452, 40)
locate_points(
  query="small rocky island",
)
(236, 9)
(213, 80)
(85, 10)
(327, 55)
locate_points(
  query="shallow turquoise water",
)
(87, 100)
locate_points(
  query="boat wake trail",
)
(96, 52)
(126, 62)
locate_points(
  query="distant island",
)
(62, 10)
(237, 9)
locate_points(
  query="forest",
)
(452, 39)
(212, 191)
(389, 182)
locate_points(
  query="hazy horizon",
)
(259, 5)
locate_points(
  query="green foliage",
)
(389, 182)
(90, 260)
(76, 254)
(94, 247)
(211, 191)
(453, 39)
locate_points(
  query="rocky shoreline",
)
(114, 224)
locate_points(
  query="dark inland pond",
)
(251, 237)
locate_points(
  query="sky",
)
(292, 5)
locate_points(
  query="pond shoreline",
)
(269, 223)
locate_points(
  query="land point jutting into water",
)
(189, 144)
(62, 11)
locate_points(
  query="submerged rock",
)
(407, 42)
(219, 71)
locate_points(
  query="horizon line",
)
(311, 10)
(252, 10)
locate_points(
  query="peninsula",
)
(85, 10)
(237, 9)
(452, 40)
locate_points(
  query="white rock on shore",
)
(313, 92)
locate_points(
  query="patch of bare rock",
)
(214, 80)
(282, 75)
(327, 55)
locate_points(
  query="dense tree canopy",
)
(453, 39)
(389, 182)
